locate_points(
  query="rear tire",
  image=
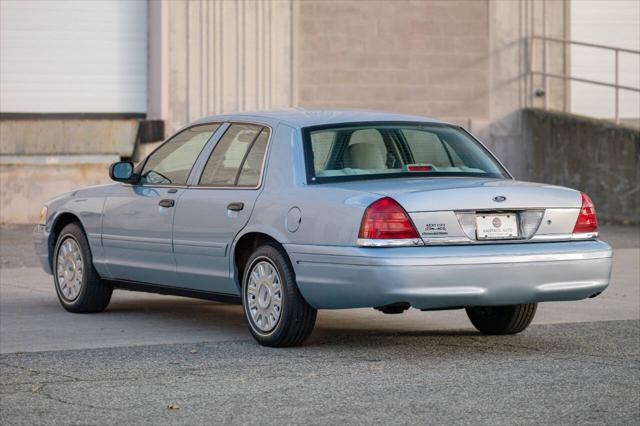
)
(277, 314)
(502, 319)
(77, 283)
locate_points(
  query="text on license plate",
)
(490, 226)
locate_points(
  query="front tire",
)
(77, 283)
(277, 314)
(502, 319)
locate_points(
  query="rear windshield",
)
(383, 151)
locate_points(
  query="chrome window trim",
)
(262, 166)
(311, 177)
(197, 178)
(164, 185)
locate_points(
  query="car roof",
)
(302, 117)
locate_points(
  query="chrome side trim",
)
(364, 242)
(469, 260)
(566, 237)
(144, 240)
(584, 235)
(449, 240)
(551, 237)
(449, 255)
(535, 238)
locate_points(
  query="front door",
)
(136, 234)
(138, 219)
(210, 213)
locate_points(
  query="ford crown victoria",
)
(287, 212)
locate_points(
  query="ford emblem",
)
(499, 198)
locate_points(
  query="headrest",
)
(366, 155)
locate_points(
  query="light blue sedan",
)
(287, 212)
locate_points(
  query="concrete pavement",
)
(578, 362)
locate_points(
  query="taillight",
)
(587, 219)
(386, 220)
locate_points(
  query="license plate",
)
(496, 226)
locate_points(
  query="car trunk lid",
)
(473, 210)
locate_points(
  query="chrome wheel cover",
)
(263, 296)
(69, 269)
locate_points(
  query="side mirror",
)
(122, 171)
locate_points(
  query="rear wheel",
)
(77, 283)
(502, 319)
(277, 313)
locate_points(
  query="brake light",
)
(587, 219)
(419, 168)
(385, 219)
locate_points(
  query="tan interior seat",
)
(366, 155)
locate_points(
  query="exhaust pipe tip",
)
(394, 308)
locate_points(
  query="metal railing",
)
(546, 75)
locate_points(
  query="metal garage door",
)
(73, 56)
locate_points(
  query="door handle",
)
(235, 206)
(167, 203)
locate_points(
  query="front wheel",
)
(502, 319)
(77, 283)
(277, 313)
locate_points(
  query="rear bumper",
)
(332, 277)
(41, 245)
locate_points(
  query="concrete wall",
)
(67, 136)
(591, 155)
(511, 23)
(41, 158)
(459, 60)
(428, 58)
(217, 57)
(26, 186)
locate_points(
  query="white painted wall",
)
(73, 56)
(608, 22)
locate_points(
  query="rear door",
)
(138, 219)
(217, 205)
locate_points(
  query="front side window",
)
(171, 163)
(237, 158)
(395, 150)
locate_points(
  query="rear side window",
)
(237, 158)
(252, 167)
